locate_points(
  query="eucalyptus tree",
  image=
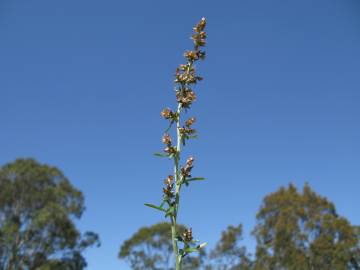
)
(303, 231)
(38, 210)
(229, 253)
(151, 248)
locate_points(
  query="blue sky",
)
(82, 84)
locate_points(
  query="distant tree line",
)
(294, 231)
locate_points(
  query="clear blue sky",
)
(82, 84)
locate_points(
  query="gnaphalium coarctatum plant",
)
(185, 79)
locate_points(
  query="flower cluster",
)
(185, 79)
(187, 235)
(190, 122)
(187, 132)
(200, 36)
(169, 188)
(168, 114)
(185, 171)
(185, 97)
(169, 149)
(185, 74)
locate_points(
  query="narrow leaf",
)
(202, 245)
(171, 123)
(161, 155)
(195, 179)
(155, 207)
(189, 250)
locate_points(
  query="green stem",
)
(177, 192)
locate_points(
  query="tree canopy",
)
(303, 231)
(151, 248)
(229, 253)
(294, 231)
(38, 206)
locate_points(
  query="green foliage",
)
(229, 254)
(294, 231)
(151, 248)
(302, 231)
(38, 206)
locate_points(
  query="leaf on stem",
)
(155, 207)
(161, 155)
(170, 125)
(170, 211)
(187, 250)
(195, 179)
(202, 245)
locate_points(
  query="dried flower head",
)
(191, 56)
(185, 97)
(166, 139)
(190, 122)
(167, 113)
(185, 171)
(187, 235)
(170, 150)
(169, 180)
(199, 39)
(185, 74)
(189, 161)
(187, 131)
(169, 188)
(199, 27)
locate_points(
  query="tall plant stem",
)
(177, 191)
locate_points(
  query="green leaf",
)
(195, 249)
(161, 155)
(171, 123)
(202, 245)
(155, 207)
(189, 250)
(170, 211)
(195, 179)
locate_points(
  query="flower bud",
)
(188, 235)
(169, 180)
(190, 121)
(167, 113)
(191, 55)
(189, 161)
(166, 139)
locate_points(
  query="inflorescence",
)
(185, 79)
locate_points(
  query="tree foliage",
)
(38, 206)
(294, 231)
(228, 253)
(151, 248)
(302, 231)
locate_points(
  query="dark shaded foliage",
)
(38, 206)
